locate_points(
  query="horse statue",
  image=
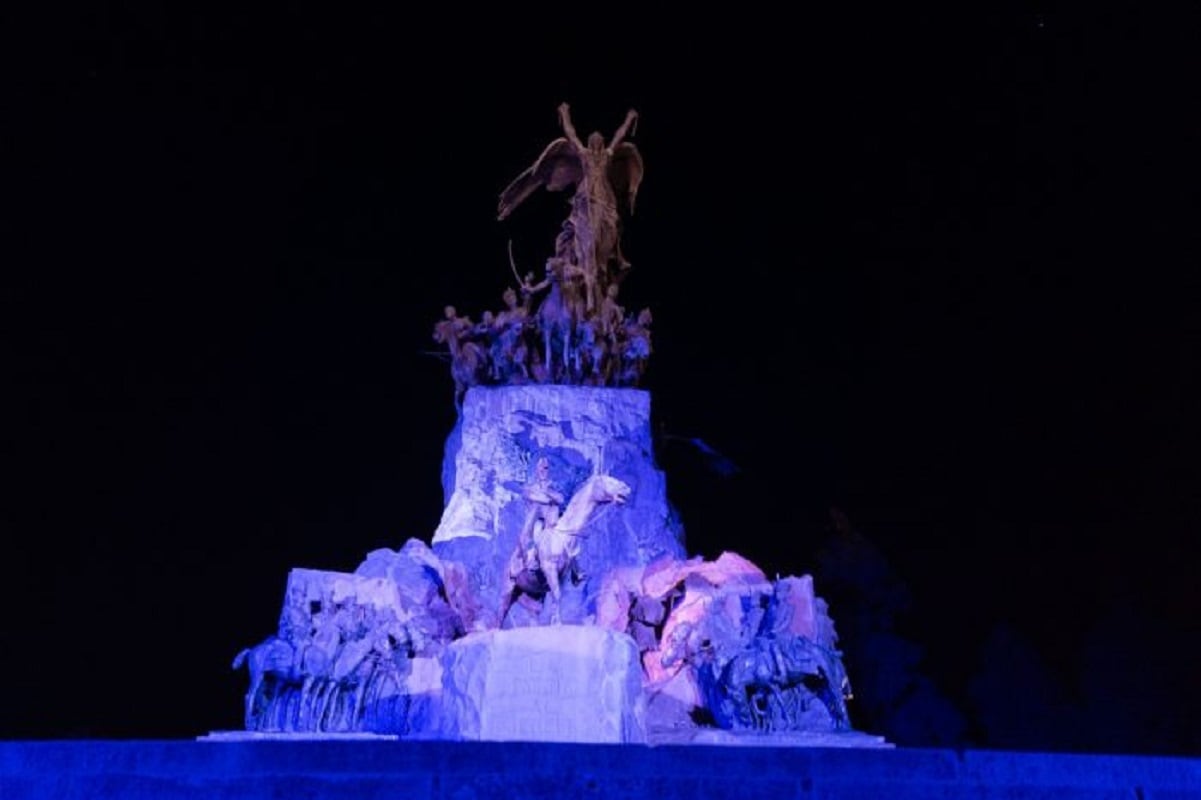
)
(557, 546)
(275, 657)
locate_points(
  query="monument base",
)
(557, 683)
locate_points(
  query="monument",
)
(556, 600)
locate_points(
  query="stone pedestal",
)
(559, 683)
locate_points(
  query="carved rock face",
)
(501, 435)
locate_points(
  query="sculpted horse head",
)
(596, 490)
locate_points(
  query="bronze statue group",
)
(567, 328)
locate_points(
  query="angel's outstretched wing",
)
(625, 174)
(557, 168)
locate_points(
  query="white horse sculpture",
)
(558, 545)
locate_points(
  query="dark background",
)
(934, 269)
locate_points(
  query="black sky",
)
(936, 269)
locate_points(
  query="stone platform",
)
(216, 770)
(560, 683)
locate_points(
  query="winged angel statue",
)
(606, 179)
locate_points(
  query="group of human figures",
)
(567, 327)
(552, 344)
(325, 666)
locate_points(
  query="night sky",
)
(935, 270)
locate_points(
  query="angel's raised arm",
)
(626, 127)
(568, 128)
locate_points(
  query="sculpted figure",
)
(524, 578)
(468, 360)
(605, 178)
(612, 314)
(272, 658)
(557, 315)
(557, 546)
(278, 658)
(635, 348)
(588, 367)
(508, 343)
(566, 328)
(524, 581)
(513, 311)
(610, 328)
(487, 333)
(543, 500)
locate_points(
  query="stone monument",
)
(556, 600)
